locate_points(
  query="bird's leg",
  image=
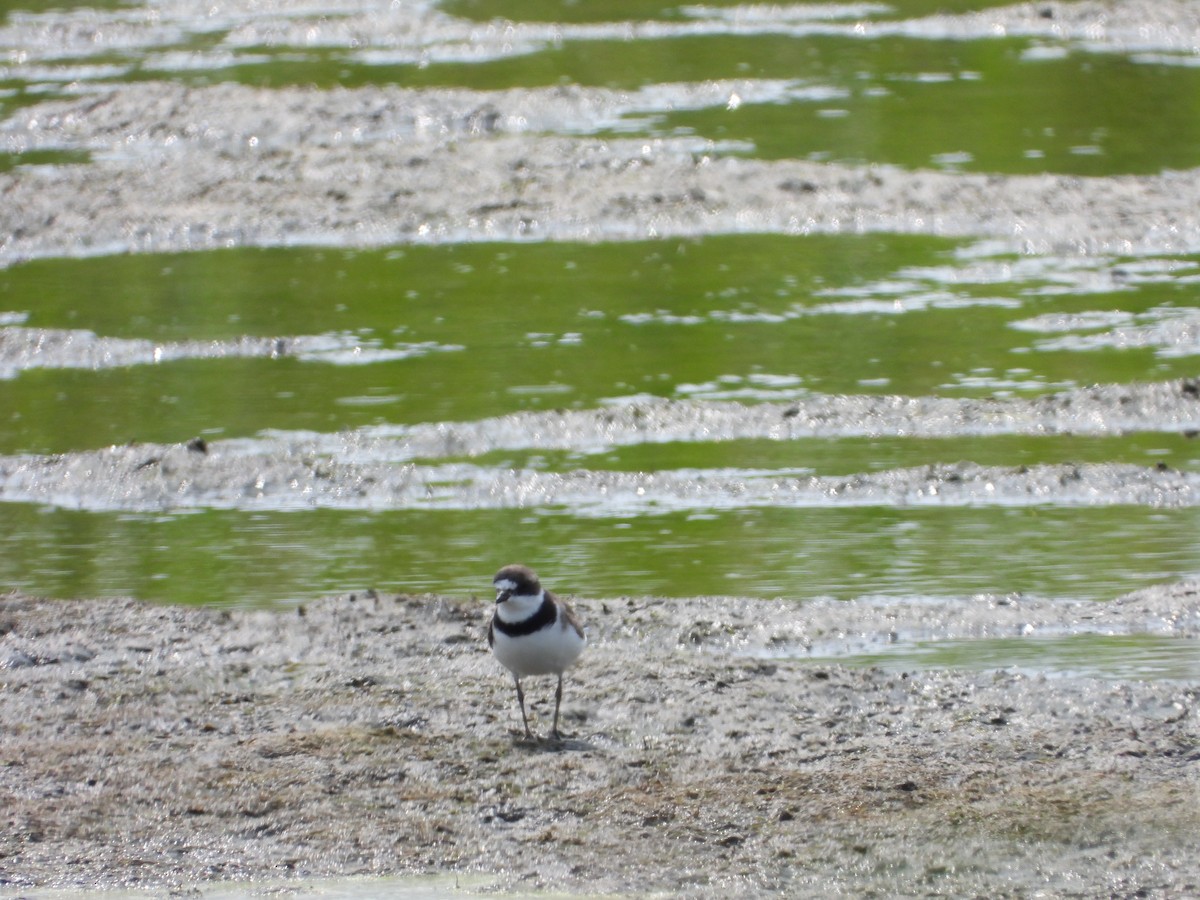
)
(521, 700)
(557, 702)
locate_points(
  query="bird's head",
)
(516, 581)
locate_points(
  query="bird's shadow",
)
(561, 744)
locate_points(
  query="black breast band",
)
(547, 614)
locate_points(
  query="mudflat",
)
(709, 753)
(180, 167)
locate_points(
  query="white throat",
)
(519, 607)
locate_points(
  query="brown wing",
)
(492, 631)
(569, 618)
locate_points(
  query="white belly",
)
(545, 652)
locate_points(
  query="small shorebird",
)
(532, 632)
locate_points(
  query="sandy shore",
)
(374, 735)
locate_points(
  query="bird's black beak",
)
(502, 596)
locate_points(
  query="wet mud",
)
(382, 191)
(374, 735)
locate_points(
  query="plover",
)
(532, 632)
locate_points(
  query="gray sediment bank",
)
(177, 167)
(509, 186)
(399, 467)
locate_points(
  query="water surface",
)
(1139, 657)
(463, 332)
(240, 558)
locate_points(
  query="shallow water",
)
(1120, 657)
(352, 339)
(271, 346)
(238, 558)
